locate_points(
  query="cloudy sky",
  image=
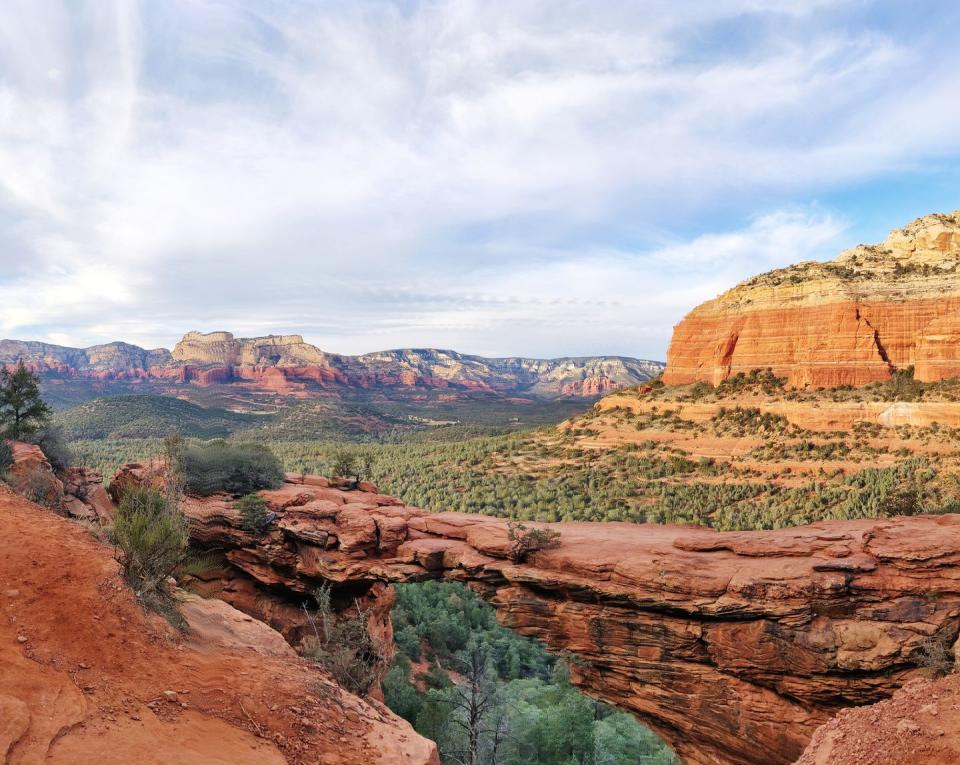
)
(539, 178)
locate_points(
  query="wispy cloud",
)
(542, 177)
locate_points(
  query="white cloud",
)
(434, 173)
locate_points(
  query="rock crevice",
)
(852, 321)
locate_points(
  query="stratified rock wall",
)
(733, 646)
(288, 364)
(851, 321)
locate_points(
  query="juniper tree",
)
(22, 409)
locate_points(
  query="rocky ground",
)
(919, 724)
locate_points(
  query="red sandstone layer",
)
(848, 322)
(733, 646)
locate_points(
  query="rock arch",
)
(732, 646)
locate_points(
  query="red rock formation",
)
(286, 364)
(78, 492)
(591, 386)
(733, 646)
(848, 322)
(87, 677)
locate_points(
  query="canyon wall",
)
(852, 321)
(734, 647)
(288, 364)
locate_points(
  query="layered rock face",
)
(285, 364)
(854, 320)
(733, 646)
(78, 492)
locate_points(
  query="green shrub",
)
(37, 485)
(525, 540)
(51, 442)
(233, 468)
(6, 456)
(151, 540)
(253, 512)
(344, 464)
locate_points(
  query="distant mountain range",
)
(287, 364)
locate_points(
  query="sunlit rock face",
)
(734, 646)
(287, 364)
(851, 321)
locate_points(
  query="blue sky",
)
(537, 178)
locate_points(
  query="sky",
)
(502, 177)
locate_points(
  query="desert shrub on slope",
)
(151, 538)
(218, 466)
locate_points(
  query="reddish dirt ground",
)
(85, 675)
(919, 725)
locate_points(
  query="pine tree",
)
(22, 410)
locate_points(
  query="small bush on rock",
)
(253, 512)
(936, 655)
(233, 468)
(525, 540)
(344, 465)
(37, 485)
(52, 444)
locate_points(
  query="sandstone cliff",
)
(285, 363)
(852, 321)
(733, 646)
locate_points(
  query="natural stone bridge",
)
(732, 646)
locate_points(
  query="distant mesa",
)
(288, 364)
(851, 321)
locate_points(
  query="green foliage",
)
(147, 416)
(253, 512)
(444, 615)
(360, 416)
(219, 465)
(344, 464)
(22, 409)
(399, 694)
(527, 478)
(51, 441)
(903, 387)
(6, 456)
(760, 380)
(741, 421)
(524, 708)
(525, 540)
(37, 485)
(151, 538)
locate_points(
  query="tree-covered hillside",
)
(489, 696)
